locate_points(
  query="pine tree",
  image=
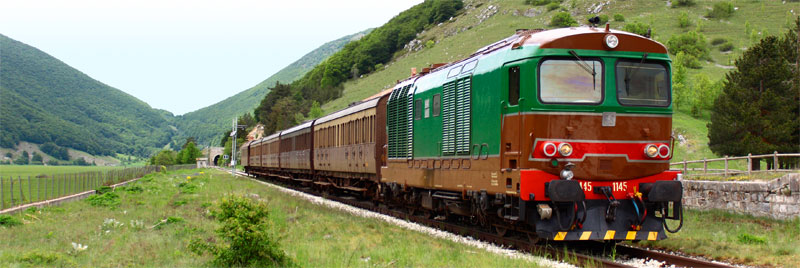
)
(758, 110)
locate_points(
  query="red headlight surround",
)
(546, 149)
(663, 151)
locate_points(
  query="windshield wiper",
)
(629, 74)
(586, 67)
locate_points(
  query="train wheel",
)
(412, 211)
(427, 214)
(501, 231)
(533, 238)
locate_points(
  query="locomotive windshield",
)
(642, 84)
(571, 81)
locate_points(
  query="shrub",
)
(691, 43)
(246, 233)
(619, 17)
(683, 20)
(726, 47)
(683, 3)
(553, 6)
(637, 28)
(133, 188)
(43, 258)
(718, 41)
(721, 10)
(563, 19)
(103, 190)
(537, 2)
(8, 221)
(109, 199)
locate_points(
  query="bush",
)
(246, 233)
(553, 6)
(537, 2)
(683, 3)
(8, 221)
(746, 238)
(619, 17)
(726, 47)
(563, 19)
(683, 20)
(43, 258)
(109, 199)
(721, 10)
(637, 28)
(103, 189)
(691, 43)
(718, 41)
(133, 188)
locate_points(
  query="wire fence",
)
(20, 190)
(724, 166)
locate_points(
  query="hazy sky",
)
(184, 55)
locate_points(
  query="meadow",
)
(157, 217)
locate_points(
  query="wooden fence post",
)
(30, 195)
(12, 190)
(21, 191)
(749, 164)
(775, 160)
(684, 167)
(2, 196)
(705, 166)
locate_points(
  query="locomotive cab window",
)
(418, 109)
(437, 104)
(513, 85)
(574, 81)
(642, 83)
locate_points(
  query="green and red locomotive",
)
(562, 134)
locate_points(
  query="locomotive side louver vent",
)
(464, 115)
(456, 116)
(399, 123)
(448, 118)
(409, 124)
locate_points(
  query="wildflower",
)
(78, 247)
(188, 177)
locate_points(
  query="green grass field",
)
(32, 183)
(312, 235)
(736, 238)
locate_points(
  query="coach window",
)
(513, 85)
(574, 81)
(418, 109)
(437, 104)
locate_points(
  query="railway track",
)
(581, 254)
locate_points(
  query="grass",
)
(736, 238)
(35, 170)
(313, 236)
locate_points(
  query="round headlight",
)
(612, 41)
(549, 149)
(651, 151)
(663, 151)
(565, 149)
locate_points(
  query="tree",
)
(189, 154)
(315, 111)
(22, 159)
(164, 158)
(36, 159)
(758, 111)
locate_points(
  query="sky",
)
(182, 55)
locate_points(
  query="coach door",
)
(513, 125)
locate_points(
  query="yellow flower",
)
(188, 177)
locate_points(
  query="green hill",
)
(208, 122)
(45, 100)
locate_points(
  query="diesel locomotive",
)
(560, 134)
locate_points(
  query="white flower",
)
(78, 247)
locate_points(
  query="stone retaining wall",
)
(778, 199)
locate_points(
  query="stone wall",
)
(778, 199)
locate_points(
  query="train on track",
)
(560, 134)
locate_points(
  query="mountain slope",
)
(210, 121)
(45, 100)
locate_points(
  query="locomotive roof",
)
(349, 110)
(589, 38)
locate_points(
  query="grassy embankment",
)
(736, 238)
(313, 236)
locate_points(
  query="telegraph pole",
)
(233, 148)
